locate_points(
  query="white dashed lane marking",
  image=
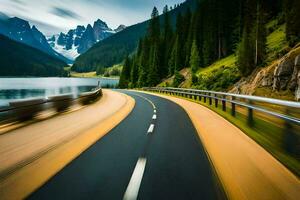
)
(151, 128)
(135, 180)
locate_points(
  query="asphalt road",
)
(154, 153)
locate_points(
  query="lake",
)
(22, 88)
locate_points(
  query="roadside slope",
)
(245, 169)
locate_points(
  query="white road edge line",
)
(135, 180)
(154, 116)
(151, 128)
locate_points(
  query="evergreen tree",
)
(134, 74)
(178, 79)
(179, 43)
(261, 35)
(166, 43)
(246, 49)
(292, 14)
(153, 76)
(125, 75)
(194, 58)
(174, 58)
(144, 63)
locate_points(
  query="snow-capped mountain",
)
(79, 40)
(20, 30)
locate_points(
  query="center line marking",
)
(154, 116)
(135, 180)
(151, 128)
(154, 111)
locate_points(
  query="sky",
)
(54, 16)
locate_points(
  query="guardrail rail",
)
(26, 109)
(289, 113)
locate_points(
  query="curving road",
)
(155, 153)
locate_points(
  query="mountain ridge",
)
(114, 49)
(20, 30)
(19, 59)
(79, 40)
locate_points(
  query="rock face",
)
(287, 76)
(296, 77)
(282, 75)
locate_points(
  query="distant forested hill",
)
(114, 49)
(17, 59)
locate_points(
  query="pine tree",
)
(179, 42)
(144, 63)
(292, 14)
(134, 74)
(261, 35)
(246, 49)
(174, 58)
(125, 75)
(153, 76)
(166, 43)
(194, 58)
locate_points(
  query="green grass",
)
(227, 62)
(219, 76)
(266, 134)
(84, 75)
(276, 44)
(270, 93)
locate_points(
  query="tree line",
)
(215, 30)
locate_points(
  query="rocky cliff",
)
(283, 75)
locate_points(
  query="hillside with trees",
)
(18, 59)
(234, 32)
(113, 50)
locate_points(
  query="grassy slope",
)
(223, 73)
(94, 74)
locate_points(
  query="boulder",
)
(282, 74)
(297, 93)
(295, 82)
(293, 85)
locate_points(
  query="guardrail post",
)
(216, 101)
(224, 103)
(291, 138)
(205, 98)
(233, 107)
(195, 97)
(250, 114)
(210, 99)
(200, 97)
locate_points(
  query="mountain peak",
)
(120, 28)
(79, 40)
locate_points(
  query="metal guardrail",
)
(247, 102)
(22, 110)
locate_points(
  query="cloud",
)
(19, 2)
(64, 13)
(46, 28)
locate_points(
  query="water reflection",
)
(23, 88)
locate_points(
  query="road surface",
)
(155, 153)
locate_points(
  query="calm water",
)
(22, 88)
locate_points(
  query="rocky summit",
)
(79, 40)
